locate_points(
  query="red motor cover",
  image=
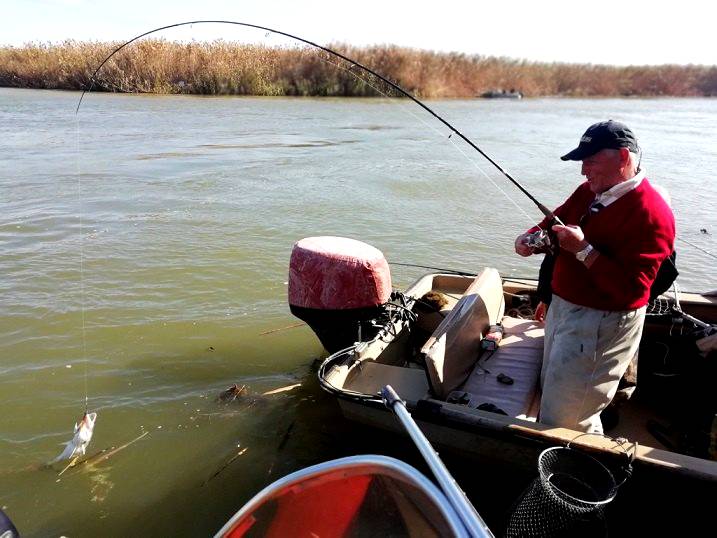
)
(337, 273)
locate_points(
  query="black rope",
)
(451, 271)
(393, 85)
(431, 306)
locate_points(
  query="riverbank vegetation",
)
(228, 68)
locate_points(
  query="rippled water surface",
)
(145, 246)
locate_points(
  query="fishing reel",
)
(545, 240)
(541, 241)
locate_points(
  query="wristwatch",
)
(582, 255)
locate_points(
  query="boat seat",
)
(454, 347)
(518, 356)
(371, 377)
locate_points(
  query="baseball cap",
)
(603, 135)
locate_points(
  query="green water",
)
(145, 248)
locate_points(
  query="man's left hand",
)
(570, 237)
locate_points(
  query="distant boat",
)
(502, 94)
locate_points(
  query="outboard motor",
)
(335, 285)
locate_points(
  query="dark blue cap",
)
(604, 135)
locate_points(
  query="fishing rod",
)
(547, 212)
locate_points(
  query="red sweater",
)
(633, 235)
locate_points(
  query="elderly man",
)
(617, 232)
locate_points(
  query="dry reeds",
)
(220, 67)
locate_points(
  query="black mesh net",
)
(567, 499)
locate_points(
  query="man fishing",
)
(617, 231)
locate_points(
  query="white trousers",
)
(586, 353)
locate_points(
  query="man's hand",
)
(522, 247)
(570, 237)
(540, 311)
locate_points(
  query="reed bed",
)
(230, 68)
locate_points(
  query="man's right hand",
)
(522, 247)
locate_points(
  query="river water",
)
(145, 246)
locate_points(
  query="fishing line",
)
(698, 248)
(455, 145)
(393, 85)
(82, 257)
(442, 136)
(472, 161)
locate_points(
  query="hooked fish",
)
(83, 434)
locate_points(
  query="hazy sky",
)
(599, 31)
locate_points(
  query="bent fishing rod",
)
(549, 214)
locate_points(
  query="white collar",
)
(616, 192)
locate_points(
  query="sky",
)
(636, 32)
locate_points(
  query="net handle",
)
(629, 451)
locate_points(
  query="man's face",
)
(602, 170)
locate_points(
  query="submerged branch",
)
(102, 455)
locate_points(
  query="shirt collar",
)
(616, 192)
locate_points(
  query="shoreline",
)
(361, 98)
(220, 68)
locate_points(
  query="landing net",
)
(567, 498)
